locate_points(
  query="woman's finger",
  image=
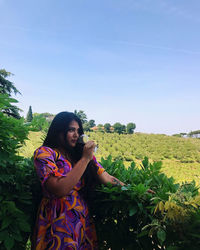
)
(90, 144)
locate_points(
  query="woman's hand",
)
(61, 186)
(88, 150)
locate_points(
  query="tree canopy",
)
(81, 115)
(39, 122)
(92, 123)
(14, 175)
(130, 128)
(119, 128)
(107, 127)
(7, 88)
(29, 116)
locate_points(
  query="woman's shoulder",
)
(43, 151)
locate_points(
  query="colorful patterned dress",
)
(63, 223)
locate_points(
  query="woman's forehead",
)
(74, 124)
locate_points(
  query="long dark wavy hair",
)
(59, 128)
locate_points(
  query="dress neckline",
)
(63, 156)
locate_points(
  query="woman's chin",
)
(72, 145)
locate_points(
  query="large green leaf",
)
(9, 243)
(161, 234)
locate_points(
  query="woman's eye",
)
(73, 130)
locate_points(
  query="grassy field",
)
(180, 156)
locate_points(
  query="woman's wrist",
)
(85, 160)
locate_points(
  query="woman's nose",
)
(76, 133)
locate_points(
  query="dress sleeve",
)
(44, 161)
(100, 168)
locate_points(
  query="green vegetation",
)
(107, 127)
(195, 134)
(130, 218)
(7, 88)
(29, 116)
(33, 141)
(39, 123)
(81, 115)
(180, 156)
(15, 182)
(117, 127)
(130, 128)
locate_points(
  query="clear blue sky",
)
(118, 60)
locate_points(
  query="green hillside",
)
(180, 156)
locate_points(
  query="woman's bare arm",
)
(61, 186)
(107, 178)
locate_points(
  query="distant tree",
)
(195, 133)
(183, 134)
(177, 135)
(47, 115)
(29, 116)
(119, 128)
(86, 126)
(92, 123)
(107, 127)
(39, 123)
(123, 128)
(7, 88)
(130, 128)
(81, 115)
(100, 127)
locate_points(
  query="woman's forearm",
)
(116, 182)
(107, 178)
(61, 186)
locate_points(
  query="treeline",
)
(38, 121)
(193, 134)
(107, 127)
(42, 121)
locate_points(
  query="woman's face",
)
(73, 133)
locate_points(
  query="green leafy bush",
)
(129, 217)
(39, 123)
(16, 182)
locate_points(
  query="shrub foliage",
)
(16, 181)
(130, 218)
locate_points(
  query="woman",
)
(67, 173)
